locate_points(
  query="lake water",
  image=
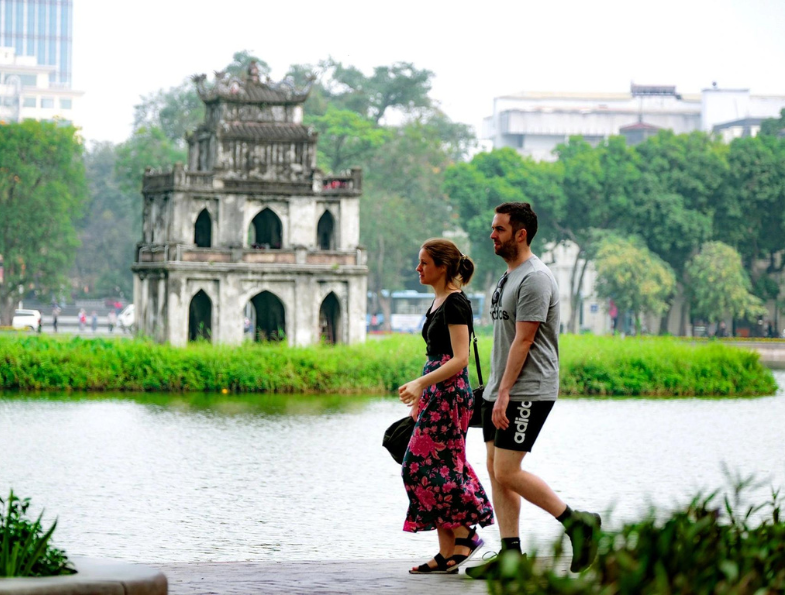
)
(167, 479)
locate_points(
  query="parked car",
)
(126, 318)
(27, 319)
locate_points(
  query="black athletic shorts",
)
(526, 421)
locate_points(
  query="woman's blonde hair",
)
(460, 267)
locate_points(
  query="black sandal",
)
(468, 541)
(441, 567)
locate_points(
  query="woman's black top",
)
(456, 309)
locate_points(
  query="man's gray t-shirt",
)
(530, 294)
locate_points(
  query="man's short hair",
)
(522, 216)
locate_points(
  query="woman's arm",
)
(410, 392)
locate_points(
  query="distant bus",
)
(409, 308)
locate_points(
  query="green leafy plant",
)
(711, 546)
(604, 366)
(24, 545)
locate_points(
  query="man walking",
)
(523, 387)
(55, 314)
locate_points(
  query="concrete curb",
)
(93, 577)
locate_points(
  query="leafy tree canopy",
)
(636, 279)
(773, 126)
(346, 138)
(110, 229)
(42, 195)
(751, 216)
(179, 110)
(147, 147)
(718, 286)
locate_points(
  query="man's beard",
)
(508, 250)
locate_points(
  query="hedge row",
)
(589, 366)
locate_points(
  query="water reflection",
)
(228, 404)
(152, 477)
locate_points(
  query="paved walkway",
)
(363, 576)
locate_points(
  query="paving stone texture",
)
(363, 576)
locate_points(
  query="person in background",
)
(55, 314)
(443, 489)
(111, 320)
(94, 321)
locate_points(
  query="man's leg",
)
(506, 502)
(507, 476)
(507, 506)
(581, 527)
(512, 478)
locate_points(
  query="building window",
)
(47, 102)
(28, 80)
(325, 232)
(29, 102)
(65, 104)
(203, 230)
(200, 317)
(267, 231)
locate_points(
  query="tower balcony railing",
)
(165, 181)
(347, 183)
(182, 253)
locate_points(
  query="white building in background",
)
(27, 93)
(535, 123)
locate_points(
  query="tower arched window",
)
(200, 317)
(325, 232)
(203, 230)
(267, 231)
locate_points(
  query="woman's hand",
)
(415, 412)
(410, 392)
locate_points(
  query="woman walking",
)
(444, 492)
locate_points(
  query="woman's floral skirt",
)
(443, 488)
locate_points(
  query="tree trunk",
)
(575, 291)
(684, 313)
(489, 288)
(7, 308)
(664, 320)
(386, 303)
(573, 275)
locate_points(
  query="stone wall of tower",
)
(251, 169)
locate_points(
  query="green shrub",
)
(701, 549)
(659, 366)
(589, 366)
(24, 546)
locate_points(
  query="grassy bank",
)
(659, 366)
(589, 366)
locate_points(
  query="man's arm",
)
(519, 351)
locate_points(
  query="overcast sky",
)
(477, 50)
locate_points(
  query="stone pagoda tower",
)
(251, 241)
